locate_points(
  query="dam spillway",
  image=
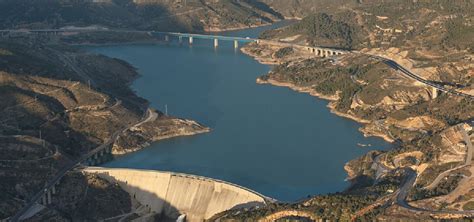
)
(173, 194)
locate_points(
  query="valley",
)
(405, 78)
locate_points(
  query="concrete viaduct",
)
(44, 198)
(97, 156)
(166, 36)
(318, 51)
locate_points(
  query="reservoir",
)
(278, 142)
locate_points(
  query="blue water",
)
(278, 142)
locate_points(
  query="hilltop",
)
(190, 15)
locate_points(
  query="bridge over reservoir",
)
(318, 51)
(174, 194)
(166, 36)
(215, 38)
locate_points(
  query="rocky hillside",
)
(432, 38)
(188, 15)
(302, 8)
(58, 104)
(431, 131)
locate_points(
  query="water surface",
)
(278, 142)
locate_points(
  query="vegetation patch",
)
(468, 206)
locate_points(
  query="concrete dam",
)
(173, 194)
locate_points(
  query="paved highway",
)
(416, 77)
(402, 195)
(202, 36)
(410, 179)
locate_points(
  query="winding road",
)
(467, 162)
(75, 164)
(409, 181)
(402, 195)
(417, 78)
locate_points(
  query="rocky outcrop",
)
(415, 123)
(159, 128)
(362, 166)
(452, 146)
(288, 214)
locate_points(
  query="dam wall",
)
(173, 194)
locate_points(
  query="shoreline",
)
(331, 106)
(302, 89)
(156, 139)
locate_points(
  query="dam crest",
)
(173, 194)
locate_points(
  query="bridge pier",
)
(180, 39)
(43, 200)
(167, 38)
(216, 43)
(434, 93)
(49, 197)
(190, 40)
(236, 44)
